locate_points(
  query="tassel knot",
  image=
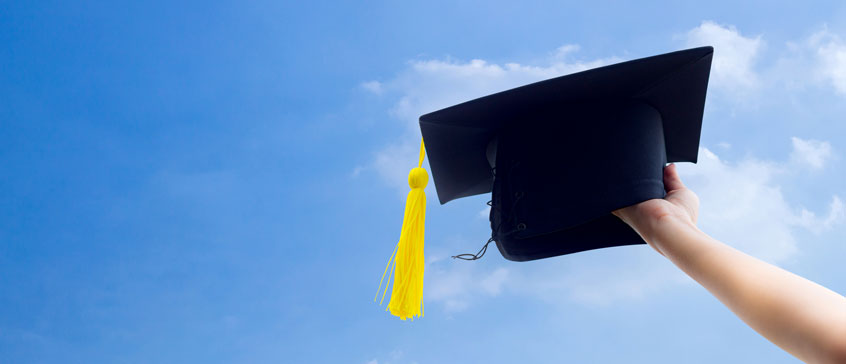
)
(418, 178)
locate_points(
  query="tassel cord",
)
(484, 249)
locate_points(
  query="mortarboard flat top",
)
(559, 155)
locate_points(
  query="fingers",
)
(672, 181)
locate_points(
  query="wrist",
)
(670, 233)
(666, 227)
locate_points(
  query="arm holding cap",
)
(803, 318)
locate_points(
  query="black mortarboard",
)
(559, 155)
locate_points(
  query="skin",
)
(803, 318)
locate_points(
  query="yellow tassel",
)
(408, 262)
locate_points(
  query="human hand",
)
(680, 205)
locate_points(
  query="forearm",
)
(802, 317)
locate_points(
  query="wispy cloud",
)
(810, 153)
(830, 58)
(743, 205)
(835, 216)
(456, 285)
(735, 55)
(742, 71)
(372, 86)
(394, 357)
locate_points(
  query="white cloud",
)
(356, 171)
(742, 205)
(456, 284)
(733, 66)
(811, 153)
(830, 52)
(485, 213)
(836, 215)
(372, 86)
(813, 61)
(492, 284)
(565, 51)
(596, 278)
(393, 357)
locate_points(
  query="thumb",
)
(672, 181)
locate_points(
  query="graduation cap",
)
(558, 156)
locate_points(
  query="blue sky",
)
(224, 181)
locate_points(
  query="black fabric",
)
(556, 183)
(561, 154)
